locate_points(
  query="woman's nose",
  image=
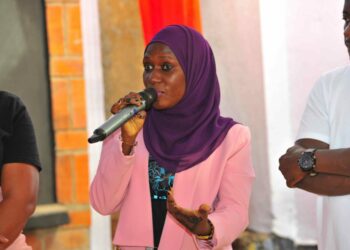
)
(155, 77)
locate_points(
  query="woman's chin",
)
(157, 106)
(160, 105)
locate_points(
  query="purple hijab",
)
(188, 133)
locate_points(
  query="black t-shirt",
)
(17, 138)
(160, 181)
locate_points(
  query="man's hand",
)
(196, 221)
(289, 166)
(19, 184)
(3, 240)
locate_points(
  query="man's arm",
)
(19, 184)
(3, 240)
(332, 166)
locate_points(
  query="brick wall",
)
(69, 119)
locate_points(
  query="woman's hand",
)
(132, 127)
(196, 221)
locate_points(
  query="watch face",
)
(306, 161)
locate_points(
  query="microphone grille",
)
(150, 96)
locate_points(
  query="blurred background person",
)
(19, 171)
(319, 162)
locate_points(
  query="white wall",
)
(276, 86)
(100, 231)
(233, 30)
(269, 54)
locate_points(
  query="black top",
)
(160, 181)
(17, 138)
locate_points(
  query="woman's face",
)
(163, 72)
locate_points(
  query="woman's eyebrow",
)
(162, 56)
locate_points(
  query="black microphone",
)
(149, 96)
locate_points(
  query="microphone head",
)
(150, 96)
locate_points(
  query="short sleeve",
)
(315, 120)
(20, 145)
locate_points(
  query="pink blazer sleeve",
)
(112, 177)
(230, 217)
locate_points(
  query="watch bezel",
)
(307, 160)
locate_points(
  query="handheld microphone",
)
(149, 96)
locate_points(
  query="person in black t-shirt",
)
(19, 171)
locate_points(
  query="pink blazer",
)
(224, 181)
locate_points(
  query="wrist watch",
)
(307, 161)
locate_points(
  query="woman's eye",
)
(147, 67)
(166, 67)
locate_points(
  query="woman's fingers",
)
(141, 114)
(204, 210)
(130, 99)
(171, 205)
(117, 106)
(194, 220)
(133, 99)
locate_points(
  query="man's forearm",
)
(13, 216)
(333, 161)
(326, 184)
(332, 166)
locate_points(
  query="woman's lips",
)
(160, 93)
